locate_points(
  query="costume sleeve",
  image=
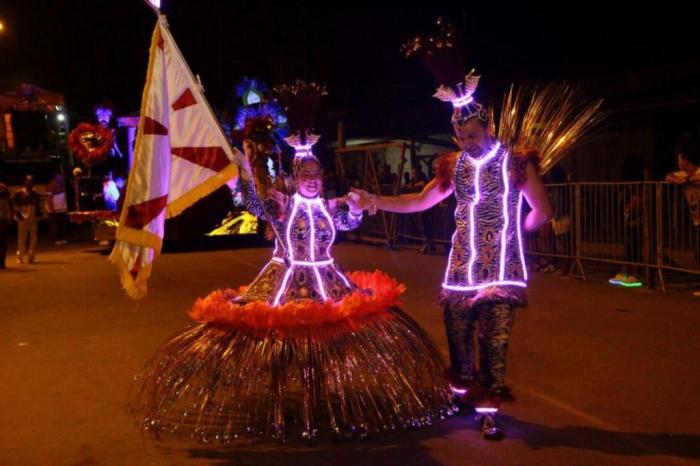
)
(265, 210)
(252, 201)
(344, 220)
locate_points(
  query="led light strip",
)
(506, 218)
(313, 263)
(462, 101)
(472, 208)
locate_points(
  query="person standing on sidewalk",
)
(688, 176)
(5, 219)
(27, 210)
(58, 208)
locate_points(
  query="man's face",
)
(472, 137)
(103, 115)
(683, 163)
(29, 182)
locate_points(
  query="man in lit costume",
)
(491, 176)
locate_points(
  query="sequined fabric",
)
(302, 267)
(490, 324)
(485, 246)
(364, 372)
(346, 380)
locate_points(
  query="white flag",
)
(181, 155)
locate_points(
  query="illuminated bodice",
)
(487, 242)
(303, 267)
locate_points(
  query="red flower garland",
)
(90, 155)
(377, 292)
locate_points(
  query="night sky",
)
(94, 50)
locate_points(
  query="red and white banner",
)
(181, 155)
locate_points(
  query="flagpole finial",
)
(155, 5)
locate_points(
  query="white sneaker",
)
(618, 279)
(103, 243)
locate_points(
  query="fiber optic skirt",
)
(304, 370)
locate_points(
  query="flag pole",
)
(236, 153)
(155, 6)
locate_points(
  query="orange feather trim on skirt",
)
(376, 293)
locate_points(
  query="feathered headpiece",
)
(443, 56)
(300, 101)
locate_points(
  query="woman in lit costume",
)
(491, 176)
(305, 351)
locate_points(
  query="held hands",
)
(353, 202)
(363, 200)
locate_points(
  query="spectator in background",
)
(121, 185)
(416, 185)
(418, 180)
(77, 176)
(5, 219)
(27, 210)
(688, 176)
(110, 192)
(386, 176)
(58, 209)
(688, 171)
(406, 183)
(632, 171)
(560, 198)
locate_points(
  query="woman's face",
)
(309, 181)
